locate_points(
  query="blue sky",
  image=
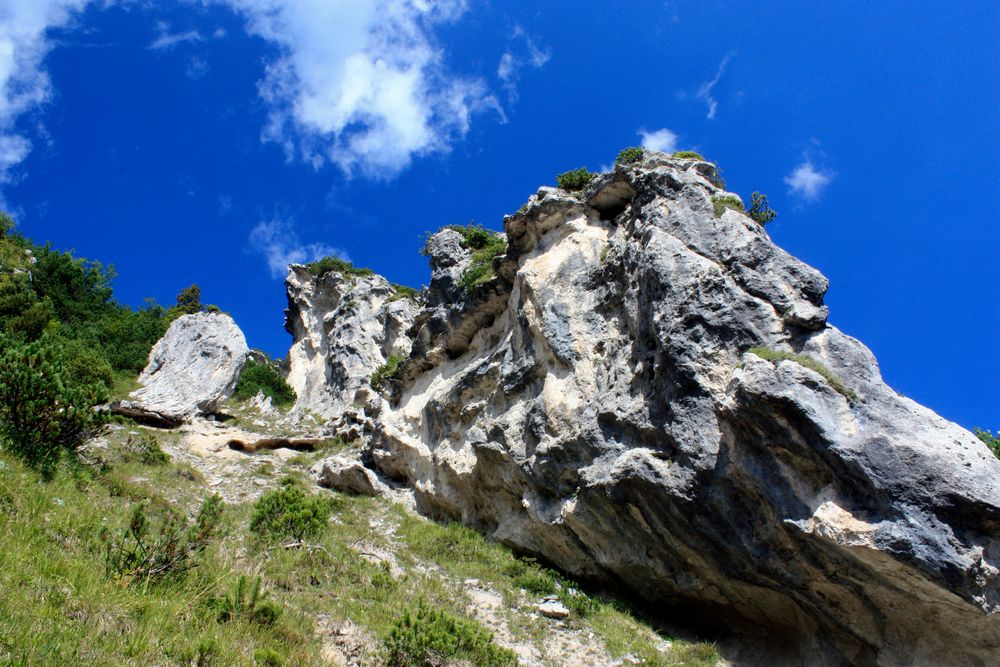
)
(212, 141)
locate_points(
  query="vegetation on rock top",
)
(575, 179)
(263, 377)
(812, 364)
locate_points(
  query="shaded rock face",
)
(192, 369)
(343, 328)
(596, 405)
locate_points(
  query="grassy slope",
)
(59, 606)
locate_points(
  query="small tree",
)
(288, 512)
(43, 415)
(189, 300)
(6, 224)
(759, 210)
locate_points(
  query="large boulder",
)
(343, 328)
(649, 395)
(191, 370)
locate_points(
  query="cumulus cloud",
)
(662, 140)
(705, 90)
(361, 84)
(807, 181)
(279, 244)
(523, 52)
(24, 84)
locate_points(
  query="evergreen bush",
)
(629, 155)
(428, 636)
(759, 210)
(263, 377)
(287, 512)
(573, 180)
(44, 414)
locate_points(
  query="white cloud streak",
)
(279, 244)
(662, 140)
(168, 40)
(511, 63)
(24, 84)
(705, 90)
(808, 182)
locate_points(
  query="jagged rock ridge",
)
(596, 405)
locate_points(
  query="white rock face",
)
(343, 328)
(597, 405)
(347, 475)
(193, 368)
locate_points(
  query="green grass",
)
(688, 155)
(812, 364)
(58, 605)
(720, 203)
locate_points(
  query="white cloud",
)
(705, 90)
(808, 182)
(168, 40)
(278, 242)
(511, 63)
(361, 83)
(24, 85)
(662, 140)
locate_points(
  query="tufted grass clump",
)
(722, 202)
(263, 377)
(385, 371)
(688, 155)
(288, 513)
(812, 364)
(428, 636)
(326, 265)
(630, 155)
(575, 179)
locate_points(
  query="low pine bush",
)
(321, 267)
(688, 155)
(44, 415)
(247, 603)
(576, 179)
(759, 210)
(992, 441)
(139, 555)
(629, 155)
(288, 513)
(427, 637)
(263, 377)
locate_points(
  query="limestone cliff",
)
(597, 404)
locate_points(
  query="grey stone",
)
(346, 475)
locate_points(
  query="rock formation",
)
(343, 328)
(191, 370)
(648, 395)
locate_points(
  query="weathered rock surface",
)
(596, 405)
(343, 327)
(191, 370)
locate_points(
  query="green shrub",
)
(268, 657)
(321, 267)
(992, 441)
(43, 413)
(404, 292)
(288, 512)
(759, 210)
(144, 448)
(137, 556)
(246, 603)
(263, 377)
(385, 371)
(428, 637)
(688, 155)
(629, 155)
(810, 363)
(485, 245)
(188, 301)
(720, 203)
(574, 180)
